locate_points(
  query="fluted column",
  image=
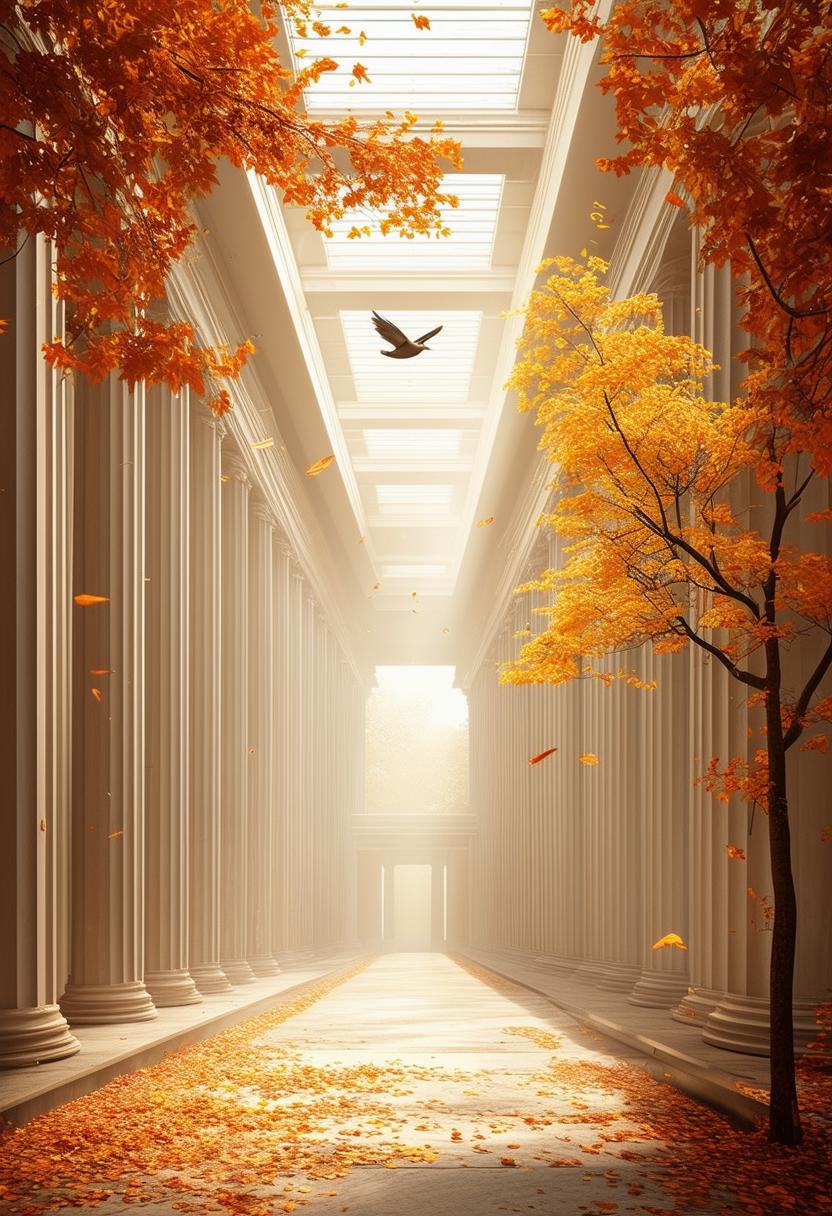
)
(262, 879)
(234, 723)
(35, 520)
(205, 702)
(283, 710)
(167, 727)
(108, 787)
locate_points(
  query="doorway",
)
(412, 907)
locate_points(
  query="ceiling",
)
(430, 449)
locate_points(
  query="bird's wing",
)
(389, 331)
(430, 334)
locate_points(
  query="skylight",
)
(413, 571)
(442, 374)
(399, 443)
(471, 58)
(424, 498)
(473, 225)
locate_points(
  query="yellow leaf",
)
(263, 443)
(483, 523)
(589, 758)
(670, 939)
(319, 466)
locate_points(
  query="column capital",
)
(233, 466)
(261, 510)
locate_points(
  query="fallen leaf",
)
(542, 755)
(85, 601)
(319, 466)
(670, 939)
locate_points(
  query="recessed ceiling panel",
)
(471, 57)
(442, 373)
(472, 224)
(420, 444)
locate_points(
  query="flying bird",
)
(403, 348)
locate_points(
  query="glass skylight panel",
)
(442, 374)
(400, 443)
(424, 498)
(473, 225)
(414, 571)
(471, 58)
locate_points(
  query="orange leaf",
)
(509, 1161)
(670, 939)
(84, 600)
(101, 671)
(420, 22)
(113, 835)
(319, 466)
(675, 200)
(97, 693)
(542, 755)
(483, 523)
(589, 758)
(734, 852)
(360, 73)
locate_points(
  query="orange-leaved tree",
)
(114, 116)
(658, 552)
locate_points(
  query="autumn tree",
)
(733, 99)
(115, 114)
(659, 554)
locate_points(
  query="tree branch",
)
(802, 704)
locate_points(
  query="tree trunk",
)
(784, 1116)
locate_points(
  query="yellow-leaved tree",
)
(657, 555)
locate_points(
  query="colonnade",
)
(584, 866)
(182, 735)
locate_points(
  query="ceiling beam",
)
(324, 280)
(409, 415)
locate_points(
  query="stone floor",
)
(418, 1086)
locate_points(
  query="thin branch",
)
(745, 677)
(797, 313)
(802, 704)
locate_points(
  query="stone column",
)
(205, 744)
(234, 723)
(262, 880)
(283, 714)
(108, 787)
(167, 733)
(35, 521)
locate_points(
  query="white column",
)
(108, 787)
(262, 880)
(167, 731)
(35, 521)
(234, 723)
(205, 704)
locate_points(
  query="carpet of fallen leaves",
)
(249, 1122)
(702, 1162)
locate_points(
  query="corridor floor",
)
(412, 1085)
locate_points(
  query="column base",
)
(557, 962)
(589, 972)
(210, 977)
(741, 1023)
(168, 988)
(238, 971)
(659, 989)
(98, 1004)
(697, 1004)
(618, 977)
(34, 1036)
(264, 966)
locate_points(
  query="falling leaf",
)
(361, 540)
(446, 630)
(376, 586)
(420, 22)
(101, 671)
(43, 825)
(675, 200)
(84, 600)
(362, 38)
(589, 758)
(319, 466)
(583, 252)
(596, 217)
(97, 693)
(263, 443)
(113, 835)
(734, 852)
(542, 755)
(670, 939)
(413, 595)
(483, 523)
(603, 206)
